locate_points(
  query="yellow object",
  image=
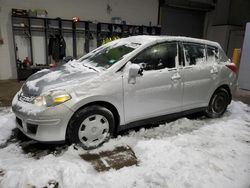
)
(236, 56)
(109, 39)
(61, 98)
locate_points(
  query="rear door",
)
(159, 90)
(199, 74)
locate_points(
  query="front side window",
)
(158, 57)
(167, 55)
(194, 54)
(147, 59)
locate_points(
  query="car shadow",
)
(194, 116)
(34, 148)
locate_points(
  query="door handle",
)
(214, 71)
(176, 77)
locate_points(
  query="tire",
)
(90, 127)
(218, 103)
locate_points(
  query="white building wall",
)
(139, 12)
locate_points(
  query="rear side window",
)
(158, 57)
(194, 54)
(212, 54)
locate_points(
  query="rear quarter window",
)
(223, 57)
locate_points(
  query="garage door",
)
(182, 22)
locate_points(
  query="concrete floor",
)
(242, 95)
(8, 89)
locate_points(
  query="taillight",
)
(232, 67)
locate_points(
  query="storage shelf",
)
(34, 67)
(31, 26)
(20, 27)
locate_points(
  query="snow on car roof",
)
(149, 39)
(145, 39)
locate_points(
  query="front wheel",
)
(218, 103)
(90, 127)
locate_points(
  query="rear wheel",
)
(91, 127)
(218, 103)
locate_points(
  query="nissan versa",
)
(123, 84)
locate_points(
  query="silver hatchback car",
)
(123, 84)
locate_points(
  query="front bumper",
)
(46, 125)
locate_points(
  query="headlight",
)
(52, 98)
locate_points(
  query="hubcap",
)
(219, 104)
(93, 130)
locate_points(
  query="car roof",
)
(147, 39)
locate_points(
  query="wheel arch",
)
(104, 104)
(227, 88)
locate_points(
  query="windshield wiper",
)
(95, 69)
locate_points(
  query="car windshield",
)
(106, 56)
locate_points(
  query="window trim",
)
(181, 54)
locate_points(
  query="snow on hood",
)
(68, 73)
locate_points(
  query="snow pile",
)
(7, 123)
(184, 153)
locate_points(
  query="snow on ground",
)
(7, 123)
(184, 153)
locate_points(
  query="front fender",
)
(116, 101)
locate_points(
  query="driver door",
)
(159, 90)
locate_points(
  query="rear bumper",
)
(234, 87)
(47, 125)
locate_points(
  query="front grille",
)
(25, 97)
(19, 122)
(32, 128)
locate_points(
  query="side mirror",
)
(134, 71)
(68, 58)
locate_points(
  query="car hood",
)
(61, 77)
